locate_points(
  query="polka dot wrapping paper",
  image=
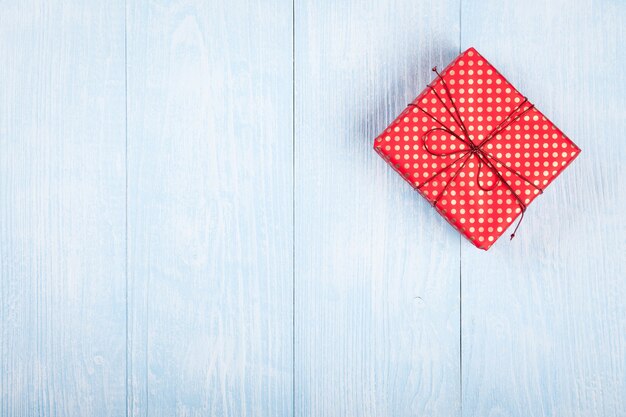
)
(475, 148)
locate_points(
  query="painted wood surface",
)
(544, 316)
(193, 220)
(62, 238)
(210, 208)
(377, 272)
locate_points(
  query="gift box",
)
(476, 148)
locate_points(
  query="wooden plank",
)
(210, 208)
(62, 233)
(544, 317)
(377, 269)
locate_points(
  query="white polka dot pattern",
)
(530, 145)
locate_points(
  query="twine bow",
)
(472, 150)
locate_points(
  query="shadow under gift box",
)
(476, 148)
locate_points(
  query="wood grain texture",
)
(210, 208)
(544, 316)
(193, 221)
(62, 285)
(377, 272)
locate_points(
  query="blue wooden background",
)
(194, 223)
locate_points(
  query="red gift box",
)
(476, 148)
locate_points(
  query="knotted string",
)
(471, 149)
